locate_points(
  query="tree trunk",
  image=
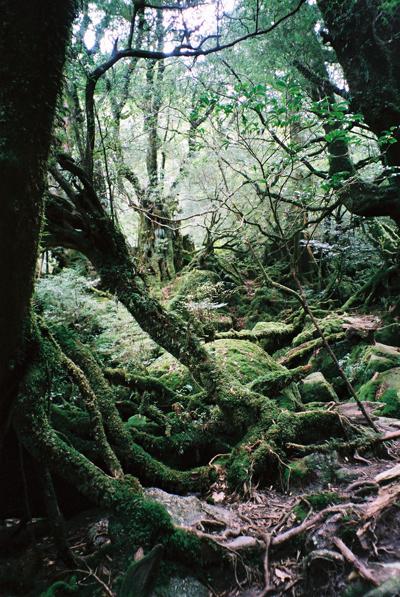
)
(364, 34)
(33, 38)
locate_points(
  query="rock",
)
(315, 388)
(381, 357)
(315, 468)
(389, 334)
(242, 360)
(346, 475)
(385, 387)
(361, 326)
(182, 587)
(390, 588)
(189, 510)
(391, 378)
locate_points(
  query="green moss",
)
(332, 324)
(298, 473)
(137, 421)
(366, 360)
(240, 360)
(385, 387)
(317, 502)
(315, 388)
(266, 300)
(191, 284)
(270, 335)
(305, 427)
(389, 334)
(391, 399)
(368, 391)
(239, 469)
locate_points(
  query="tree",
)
(33, 44)
(367, 60)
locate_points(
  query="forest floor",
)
(277, 527)
(320, 518)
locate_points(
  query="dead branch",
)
(362, 570)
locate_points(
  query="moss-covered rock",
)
(315, 388)
(389, 334)
(240, 360)
(384, 387)
(332, 324)
(298, 472)
(270, 335)
(365, 361)
(381, 357)
(313, 468)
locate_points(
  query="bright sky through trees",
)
(202, 20)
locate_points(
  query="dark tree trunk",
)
(365, 36)
(33, 38)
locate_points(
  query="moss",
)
(315, 388)
(253, 460)
(317, 502)
(391, 399)
(241, 361)
(276, 380)
(301, 354)
(384, 387)
(266, 300)
(191, 284)
(366, 360)
(140, 522)
(305, 427)
(332, 324)
(298, 473)
(368, 391)
(194, 292)
(270, 335)
(239, 469)
(389, 334)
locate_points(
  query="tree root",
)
(140, 383)
(361, 443)
(348, 555)
(133, 457)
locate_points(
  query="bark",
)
(33, 38)
(368, 199)
(134, 458)
(106, 247)
(364, 34)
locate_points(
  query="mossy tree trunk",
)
(90, 230)
(33, 38)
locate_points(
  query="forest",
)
(200, 312)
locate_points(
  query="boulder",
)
(315, 388)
